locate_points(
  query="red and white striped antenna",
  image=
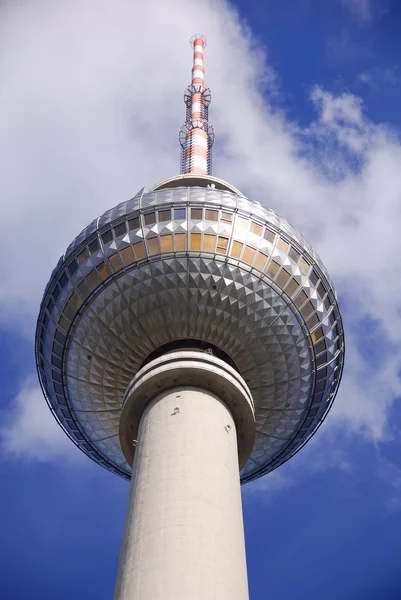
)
(196, 135)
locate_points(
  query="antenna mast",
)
(196, 135)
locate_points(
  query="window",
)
(249, 255)
(272, 269)
(103, 271)
(195, 241)
(60, 337)
(149, 219)
(255, 228)
(317, 335)
(269, 235)
(63, 281)
(64, 323)
(107, 236)
(211, 215)
(293, 254)
(179, 214)
(304, 266)
(320, 290)
(139, 250)
(283, 278)
(291, 287)
(115, 262)
(76, 300)
(209, 242)
(94, 246)
(72, 267)
(56, 293)
(126, 255)
(180, 241)
(227, 217)
(164, 215)
(222, 243)
(69, 311)
(313, 321)
(314, 278)
(236, 249)
(153, 245)
(196, 213)
(307, 310)
(241, 223)
(81, 258)
(84, 289)
(282, 245)
(93, 279)
(120, 230)
(133, 223)
(260, 261)
(166, 243)
(300, 299)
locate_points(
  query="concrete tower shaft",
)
(183, 534)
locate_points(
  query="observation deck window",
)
(260, 261)
(317, 335)
(72, 267)
(227, 217)
(164, 215)
(282, 245)
(166, 243)
(63, 280)
(150, 218)
(249, 255)
(127, 255)
(93, 279)
(133, 223)
(272, 269)
(209, 242)
(269, 235)
(115, 262)
(294, 254)
(291, 288)
(103, 271)
(179, 213)
(196, 213)
(153, 245)
(139, 250)
(107, 236)
(94, 246)
(120, 230)
(211, 215)
(180, 240)
(81, 258)
(195, 241)
(236, 249)
(255, 228)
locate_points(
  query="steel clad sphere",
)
(191, 259)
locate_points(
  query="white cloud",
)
(29, 430)
(365, 10)
(90, 108)
(390, 474)
(380, 78)
(360, 8)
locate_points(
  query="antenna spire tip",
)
(198, 36)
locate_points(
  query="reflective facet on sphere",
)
(191, 259)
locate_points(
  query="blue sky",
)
(305, 106)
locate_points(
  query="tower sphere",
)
(191, 263)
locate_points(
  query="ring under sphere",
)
(200, 262)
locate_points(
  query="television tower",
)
(189, 339)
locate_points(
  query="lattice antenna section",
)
(196, 135)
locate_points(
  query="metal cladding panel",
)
(197, 263)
